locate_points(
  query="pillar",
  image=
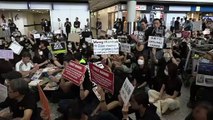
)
(131, 13)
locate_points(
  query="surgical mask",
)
(84, 46)
(166, 72)
(140, 62)
(69, 46)
(167, 57)
(40, 52)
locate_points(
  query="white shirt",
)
(20, 66)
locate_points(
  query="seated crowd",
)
(155, 74)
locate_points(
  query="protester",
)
(60, 26)
(172, 24)
(177, 25)
(77, 23)
(11, 25)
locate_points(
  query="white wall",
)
(169, 16)
(70, 11)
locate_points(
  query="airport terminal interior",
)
(106, 60)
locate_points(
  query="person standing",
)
(87, 26)
(42, 24)
(77, 24)
(60, 27)
(172, 25)
(46, 26)
(67, 26)
(177, 24)
(12, 26)
(98, 27)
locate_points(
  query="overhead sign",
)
(158, 7)
(58, 47)
(106, 46)
(74, 72)
(156, 42)
(141, 7)
(125, 47)
(102, 77)
(126, 91)
(6, 54)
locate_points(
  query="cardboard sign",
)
(156, 42)
(37, 36)
(74, 72)
(102, 77)
(74, 37)
(106, 47)
(45, 104)
(58, 47)
(125, 47)
(205, 73)
(3, 93)
(6, 54)
(126, 91)
(16, 47)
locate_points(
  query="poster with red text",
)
(74, 72)
(102, 77)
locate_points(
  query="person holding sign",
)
(168, 96)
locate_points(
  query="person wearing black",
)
(21, 101)
(46, 25)
(12, 26)
(67, 26)
(42, 24)
(77, 23)
(6, 66)
(177, 24)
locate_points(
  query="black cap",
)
(11, 75)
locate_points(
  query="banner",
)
(58, 47)
(125, 47)
(205, 74)
(16, 47)
(44, 104)
(106, 47)
(74, 72)
(155, 42)
(126, 91)
(102, 77)
(6, 54)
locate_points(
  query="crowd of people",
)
(154, 73)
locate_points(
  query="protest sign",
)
(102, 77)
(6, 54)
(156, 42)
(109, 32)
(74, 37)
(74, 72)
(16, 47)
(106, 46)
(125, 47)
(3, 93)
(45, 104)
(57, 32)
(205, 74)
(88, 39)
(58, 47)
(37, 36)
(126, 91)
(141, 36)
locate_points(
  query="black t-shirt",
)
(67, 25)
(28, 102)
(77, 24)
(173, 85)
(141, 75)
(177, 25)
(47, 53)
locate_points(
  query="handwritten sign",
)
(58, 47)
(125, 47)
(16, 47)
(156, 42)
(6, 54)
(74, 72)
(126, 91)
(102, 77)
(106, 46)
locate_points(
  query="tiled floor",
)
(179, 114)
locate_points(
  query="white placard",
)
(110, 46)
(141, 36)
(3, 93)
(155, 42)
(126, 91)
(204, 80)
(57, 32)
(206, 31)
(37, 36)
(178, 35)
(109, 32)
(16, 47)
(88, 39)
(125, 47)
